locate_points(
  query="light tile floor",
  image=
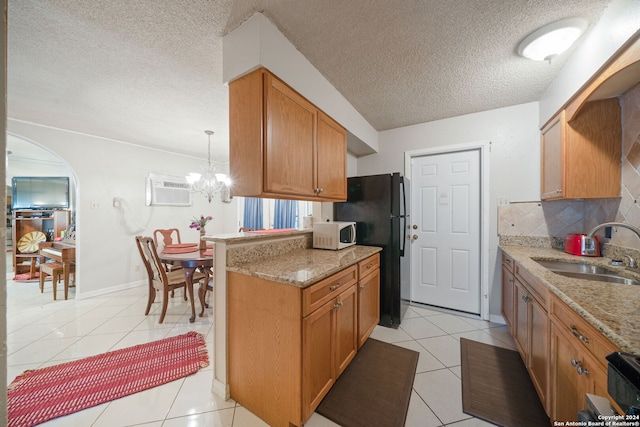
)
(43, 332)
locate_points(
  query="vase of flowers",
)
(199, 224)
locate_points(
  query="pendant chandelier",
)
(210, 183)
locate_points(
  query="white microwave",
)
(334, 235)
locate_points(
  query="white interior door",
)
(445, 227)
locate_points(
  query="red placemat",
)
(181, 245)
(180, 250)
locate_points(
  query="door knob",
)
(414, 237)
(415, 226)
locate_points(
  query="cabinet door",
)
(289, 152)
(598, 381)
(552, 159)
(538, 364)
(521, 318)
(346, 314)
(331, 159)
(508, 293)
(318, 361)
(368, 305)
(568, 387)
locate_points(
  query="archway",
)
(29, 159)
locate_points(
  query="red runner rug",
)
(39, 395)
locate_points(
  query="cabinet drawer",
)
(368, 265)
(584, 333)
(539, 290)
(317, 294)
(507, 261)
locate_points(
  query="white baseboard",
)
(105, 291)
(497, 318)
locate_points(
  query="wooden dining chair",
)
(161, 280)
(164, 237)
(167, 236)
(205, 285)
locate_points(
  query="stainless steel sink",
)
(587, 271)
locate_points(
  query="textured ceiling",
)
(149, 72)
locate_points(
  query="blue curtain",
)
(286, 214)
(252, 213)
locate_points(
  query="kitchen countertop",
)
(612, 308)
(305, 267)
(254, 236)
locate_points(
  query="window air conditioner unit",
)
(165, 190)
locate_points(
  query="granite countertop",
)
(253, 236)
(612, 308)
(305, 267)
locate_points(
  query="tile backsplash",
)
(557, 219)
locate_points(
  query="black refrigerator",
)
(379, 204)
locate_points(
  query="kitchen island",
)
(288, 319)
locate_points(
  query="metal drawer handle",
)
(337, 305)
(578, 335)
(526, 298)
(578, 365)
(334, 287)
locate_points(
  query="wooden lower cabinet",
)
(508, 289)
(564, 354)
(574, 374)
(521, 318)
(538, 362)
(329, 335)
(287, 345)
(368, 297)
(530, 330)
(578, 364)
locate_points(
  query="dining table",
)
(190, 261)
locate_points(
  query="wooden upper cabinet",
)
(281, 145)
(289, 146)
(331, 168)
(582, 158)
(552, 157)
(582, 144)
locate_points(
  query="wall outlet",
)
(607, 232)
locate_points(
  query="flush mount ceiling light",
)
(551, 40)
(210, 183)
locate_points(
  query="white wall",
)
(106, 255)
(514, 160)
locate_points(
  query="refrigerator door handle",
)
(404, 218)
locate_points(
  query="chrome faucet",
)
(589, 238)
(632, 262)
(614, 224)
